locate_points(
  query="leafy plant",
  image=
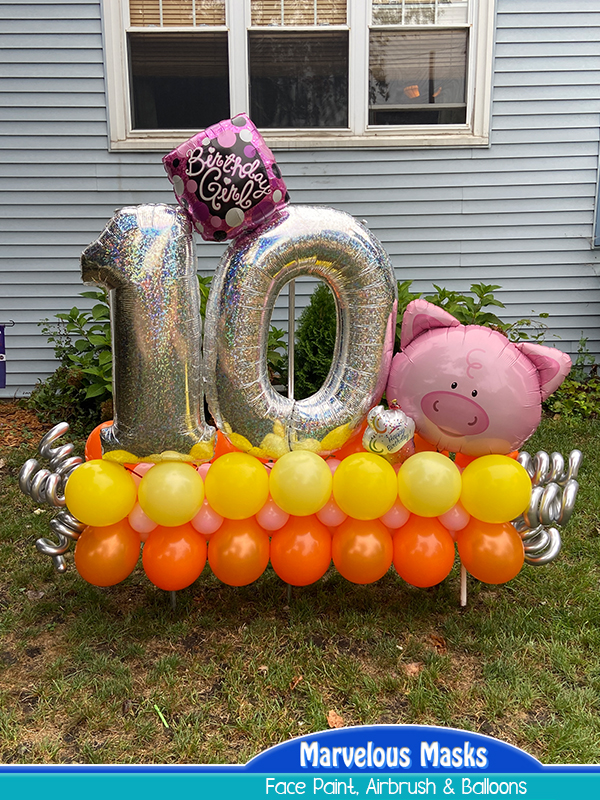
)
(473, 310)
(80, 389)
(579, 394)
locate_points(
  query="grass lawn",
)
(91, 675)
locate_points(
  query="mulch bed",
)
(19, 425)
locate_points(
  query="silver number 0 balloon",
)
(300, 240)
(145, 258)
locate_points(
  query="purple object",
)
(226, 178)
(2, 359)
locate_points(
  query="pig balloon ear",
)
(552, 365)
(421, 316)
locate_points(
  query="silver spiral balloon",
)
(46, 485)
(552, 503)
(299, 240)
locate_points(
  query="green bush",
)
(579, 394)
(315, 341)
(80, 390)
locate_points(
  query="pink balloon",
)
(396, 517)
(207, 520)
(331, 514)
(456, 519)
(202, 470)
(467, 387)
(138, 472)
(140, 521)
(333, 464)
(271, 517)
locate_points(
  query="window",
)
(309, 72)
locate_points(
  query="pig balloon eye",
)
(474, 393)
(453, 385)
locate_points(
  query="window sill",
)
(459, 136)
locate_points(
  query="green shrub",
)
(315, 340)
(579, 394)
(473, 310)
(80, 390)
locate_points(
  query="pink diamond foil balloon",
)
(226, 178)
(468, 388)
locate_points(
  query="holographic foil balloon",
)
(299, 240)
(145, 259)
(227, 179)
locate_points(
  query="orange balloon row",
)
(422, 552)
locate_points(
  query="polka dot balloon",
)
(226, 178)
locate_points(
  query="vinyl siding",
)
(519, 213)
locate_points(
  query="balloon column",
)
(260, 489)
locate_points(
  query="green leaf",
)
(95, 390)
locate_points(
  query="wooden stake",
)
(463, 586)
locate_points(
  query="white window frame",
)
(474, 133)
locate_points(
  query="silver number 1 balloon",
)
(145, 258)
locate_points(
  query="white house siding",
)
(519, 214)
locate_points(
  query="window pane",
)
(299, 12)
(183, 13)
(420, 12)
(417, 78)
(299, 80)
(178, 80)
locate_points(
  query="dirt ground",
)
(19, 425)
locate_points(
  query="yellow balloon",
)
(429, 484)
(300, 483)
(100, 493)
(171, 493)
(364, 486)
(237, 486)
(495, 489)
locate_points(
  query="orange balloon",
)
(301, 550)
(93, 447)
(423, 551)
(223, 445)
(462, 461)
(238, 553)
(362, 550)
(490, 552)
(106, 555)
(354, 443)
(174, 557)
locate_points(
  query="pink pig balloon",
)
(468, 388)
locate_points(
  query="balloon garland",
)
(259, 489)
